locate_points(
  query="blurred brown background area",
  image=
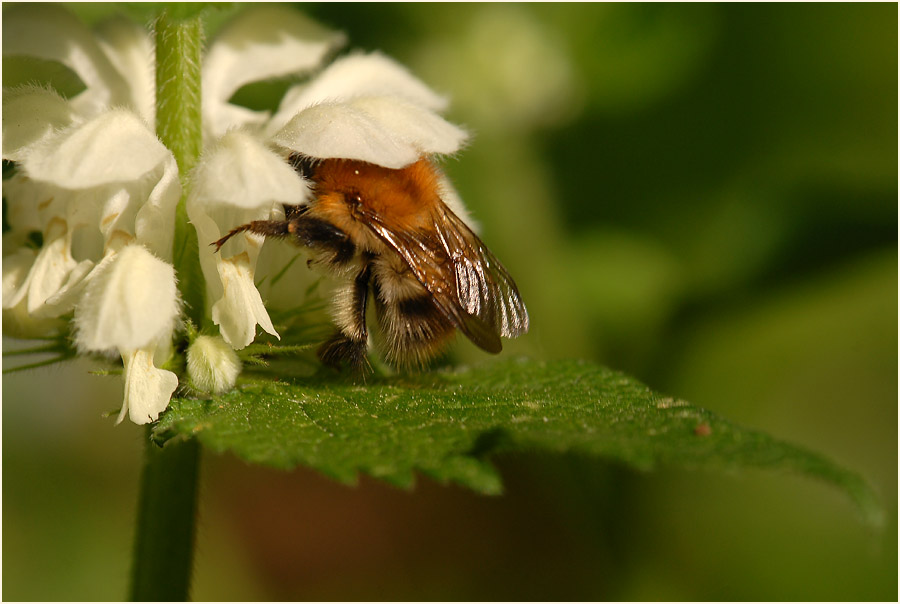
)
(703, 196)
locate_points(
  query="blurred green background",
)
(703, 196)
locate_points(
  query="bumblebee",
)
(391, 237)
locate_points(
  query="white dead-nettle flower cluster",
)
(96, 183)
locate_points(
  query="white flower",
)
(212, 364)
(238, 181)
(105, 181)
(130, 307)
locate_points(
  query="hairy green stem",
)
(57, 359)
(164, 544)
(179, 127)
(164, 539)
(55, 347)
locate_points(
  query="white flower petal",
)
(242, 172)
(154, 224)
(117, 211)
(221, 118)
(50, 32)
(56, 277)
(79, 209)
(16, 268)
(147, 388)
(24, 198)
(141, 210)
(379, 130)
(129, 48)
(357, 75)
(68, 294)
(238, 181)
(245, 245)
(30, 115)
(338, 130)
(130, 302)
(51, 267)
(17, 323)
(240, 309)
(113, 147)
(263, 42)
(208, 231)
(416, 126)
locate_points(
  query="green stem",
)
(164, 539)
(179, 127)
(56, 347)
(163, 549)
(57, 359)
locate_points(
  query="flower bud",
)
(212, 365)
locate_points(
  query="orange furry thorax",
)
(398, 197)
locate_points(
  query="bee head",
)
(354, 201)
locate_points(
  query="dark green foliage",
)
(446, 425)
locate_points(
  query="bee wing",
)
(484, 288)
(465, 280)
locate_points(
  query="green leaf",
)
(446, 424)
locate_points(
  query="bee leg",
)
(268, 228)
(318, 234)
(350, 342)
(340, 349)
